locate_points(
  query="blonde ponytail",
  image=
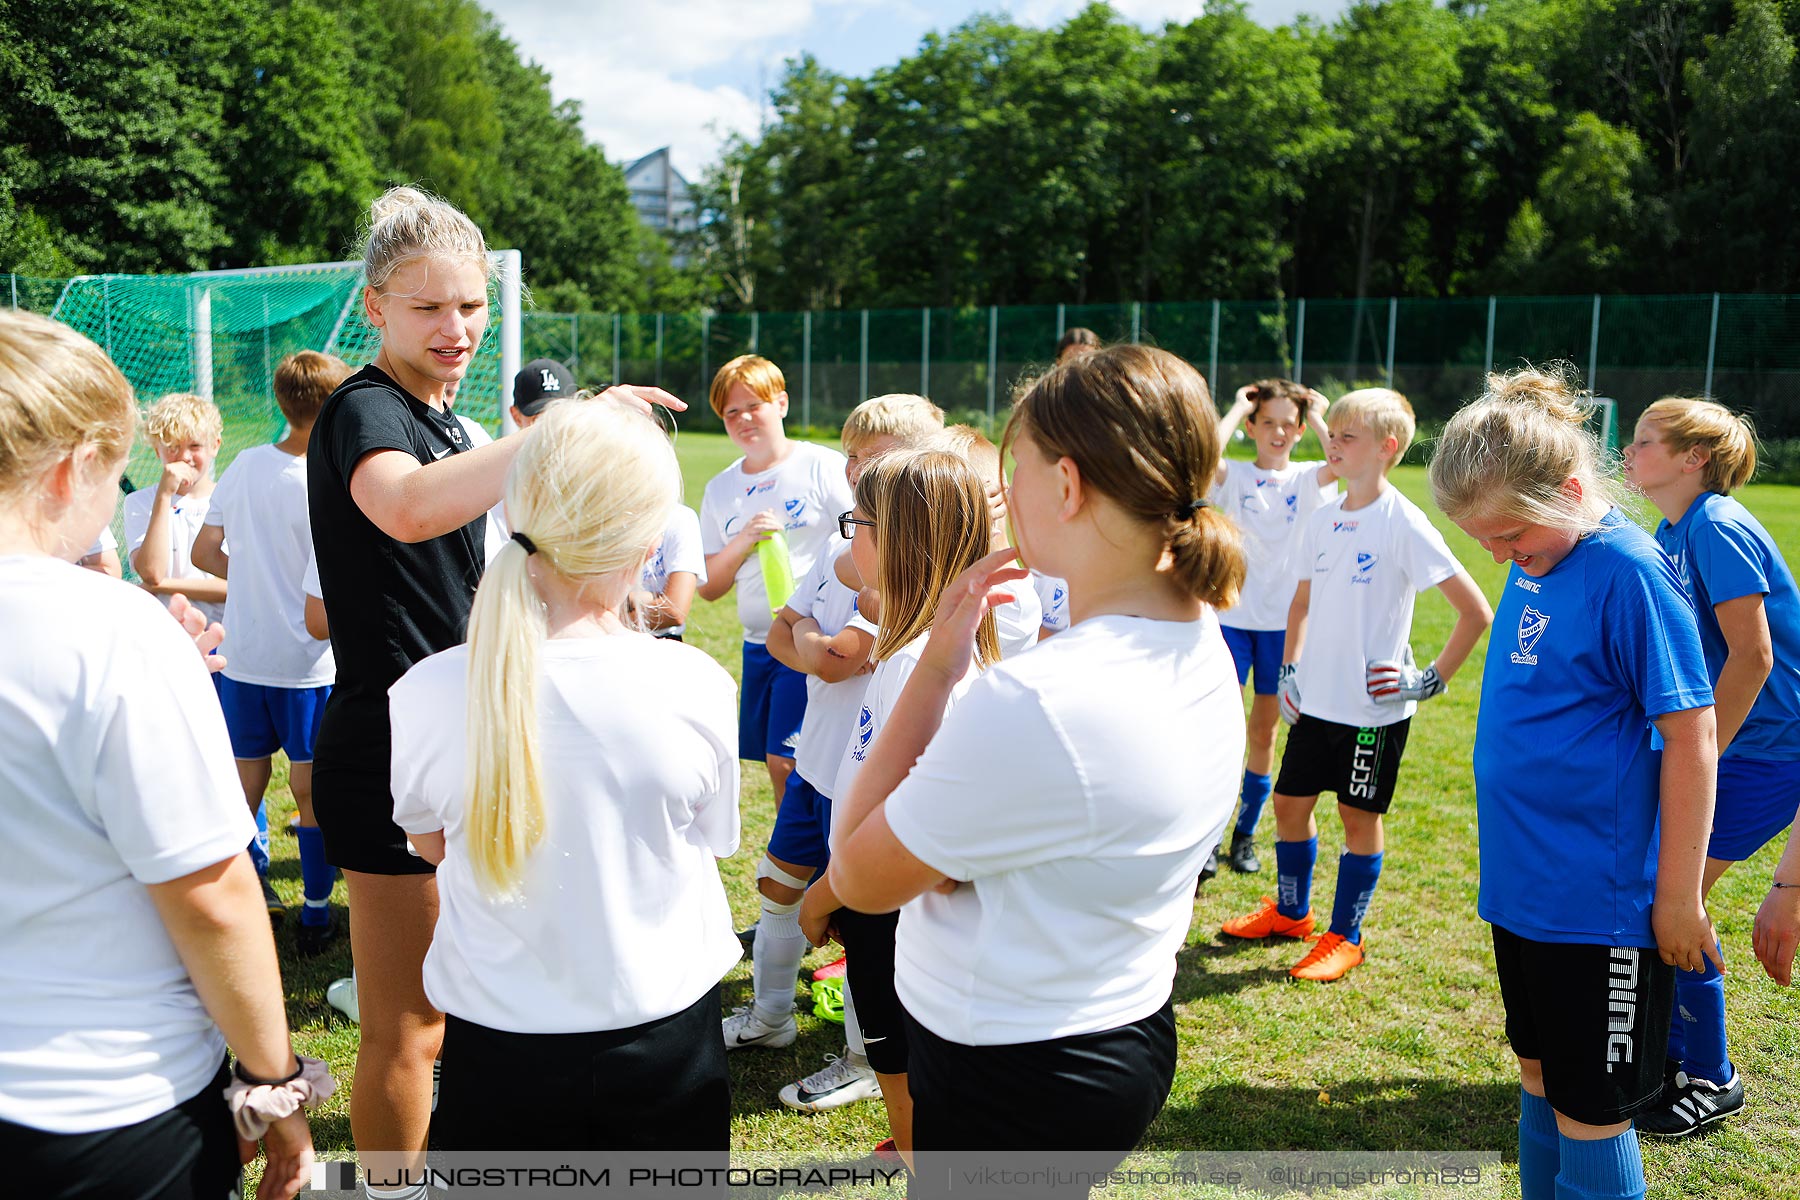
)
(1511, 454)
(1727, 438)
(591, 489)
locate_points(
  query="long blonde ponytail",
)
(591, 490)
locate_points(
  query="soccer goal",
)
(1605, 422)
(220, 334)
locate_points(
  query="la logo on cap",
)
(550, 382)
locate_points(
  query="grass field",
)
(1407, 1053)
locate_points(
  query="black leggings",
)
(869, 970)
(1093, 1092)
(187, 1153)
(662, 1085)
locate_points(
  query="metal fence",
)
(1741, 349)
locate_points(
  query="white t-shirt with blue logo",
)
(831, 708)
(807, 487)
(1365, 565)
(1723, 553)
(1269, 509)
(679, 550)
(1053, 597)
(885, 685)
(1567, 785)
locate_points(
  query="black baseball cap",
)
(541, 381)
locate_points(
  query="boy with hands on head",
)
(1348, 684)
(1270, 500)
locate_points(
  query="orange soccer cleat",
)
(1267, 921)
(1331, 958)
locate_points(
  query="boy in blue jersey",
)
(1348, 684)
(1592, 840)
(1688, 456)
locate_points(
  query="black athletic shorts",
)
(659, 1086)
(353, 799)
(1092, 1093)
(189, 1152)
(1596, 1017)
(869, 971)
(1360, 765)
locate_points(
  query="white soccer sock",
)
(853, 1038)
(779, 948)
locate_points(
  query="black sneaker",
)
(1243, 858)
(1693, 1104)
(310, 941)
(277, 910)
(1210, 870)
(747, 939)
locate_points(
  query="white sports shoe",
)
(745, 1030)
(837, 1083)
(341, 995)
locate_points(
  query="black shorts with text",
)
(1362, 765)
(1596, 1017)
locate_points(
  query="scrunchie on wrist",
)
(255, 1106)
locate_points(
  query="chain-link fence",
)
(1741, 349)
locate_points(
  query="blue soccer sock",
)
(259, 845)
(1294, 862)
(1540, 1157)
(1612, 1169)
(1357, 876)
(316, 875)
(1255, 795)
(1700, 1012)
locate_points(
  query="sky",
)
(687, 73)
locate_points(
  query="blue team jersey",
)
(1722, 553)
(1579, 663)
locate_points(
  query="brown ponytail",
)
(1140, 425)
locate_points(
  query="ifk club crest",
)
(1532, 624)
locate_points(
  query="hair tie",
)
(1186, 512)
(530, 546)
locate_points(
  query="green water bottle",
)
(777, 570)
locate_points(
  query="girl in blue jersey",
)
(1688, 456)
(1592, 840)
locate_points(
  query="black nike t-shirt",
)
(390, 603)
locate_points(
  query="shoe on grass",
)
(1331, 958)
(744, 1030)
(1209, 871)
(1693, 1104)
(277, 910)
(887, 1153)
(310, 941)
(838, 1083)
(341, 995)
(830, 970)
(1243, 858)
(1267, 921)
(747, 938)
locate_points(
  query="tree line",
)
(163, 135)
(1407, 148)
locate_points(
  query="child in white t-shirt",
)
(1020, 620)
(794, 489)
(820, 633)
(1041, 838)
(921, 518)
(1270, 499)
(278, 676)
(582, 926)
(665, 593)
(161, 522)
(1348, 683)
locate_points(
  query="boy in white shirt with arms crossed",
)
(279, 674)
(779, 486)
(1348, 683)
(1269, 500)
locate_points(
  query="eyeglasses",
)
(847, 523)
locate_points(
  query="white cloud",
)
(632, 64)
